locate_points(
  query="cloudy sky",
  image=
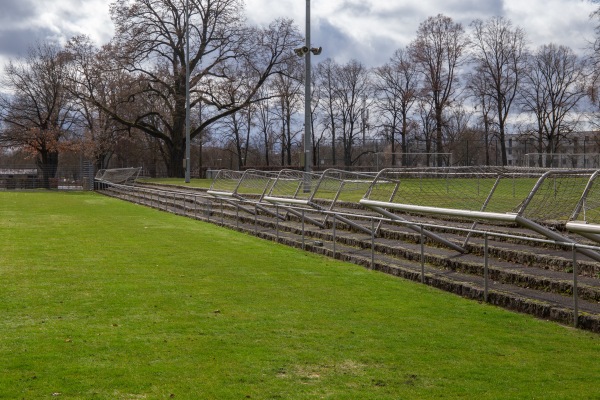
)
(367, 30)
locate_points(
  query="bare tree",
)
(438, 51)
(264, 120)
(427, 125)
(288, 91)
(460, 135)
(101, 131)
(151, 42)
(593, 89)
(500, 55)
(327, 82)
(235, 130)
(396, 89)
(553, 87)
(352, 90)
(316, 139)
(479, 89)
(39, 114)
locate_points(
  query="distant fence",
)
(66, 177)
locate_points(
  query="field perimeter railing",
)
(585, 219)
(123, 176)
(528, 197)
(295, 188)
(202, 205)
(321, 192)
(248, 185)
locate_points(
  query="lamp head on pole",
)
(301, 51)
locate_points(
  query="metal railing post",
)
(575, 295)
(277, 222)
(334, 245)
(485, 267)
(303, 229)
(422, 243)
(372, 243)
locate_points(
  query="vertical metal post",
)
(575, 296)
(187, 92)
(422, 243)
(334, 239)
(302, 229)
(277, 221)
(372, 243)
(485, 267)
(255, 220)
(514, 186)
(307, 106)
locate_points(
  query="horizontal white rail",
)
(285, 200)
(582, 227)
(217, 193)
(491, 216)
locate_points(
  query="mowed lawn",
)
(103, 299)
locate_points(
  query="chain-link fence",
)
(65, 176)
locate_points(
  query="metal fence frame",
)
(186, 204)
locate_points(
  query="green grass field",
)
(102, 299)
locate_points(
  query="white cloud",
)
(369, 30)
(66, 18)
(383, 25)
(564, 22)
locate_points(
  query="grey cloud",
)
(354, 7)
(341, 47)
(15, 11)
(14, 43)
(16, 32)
(485, 8)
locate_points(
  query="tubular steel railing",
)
(187, 203)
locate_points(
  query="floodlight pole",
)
(307, 106)
(187, 92)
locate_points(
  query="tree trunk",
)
(404, 144)
(439, 143)
(48, 163)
